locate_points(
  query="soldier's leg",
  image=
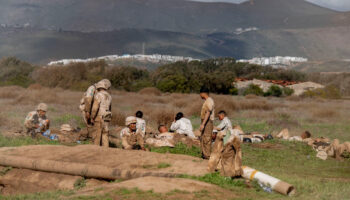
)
(206, 140)
(96, 133)
(105, 134)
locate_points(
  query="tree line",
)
(183, 77)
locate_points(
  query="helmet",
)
(42, 106)
(130, 120)
(66, 127)
(105, 84)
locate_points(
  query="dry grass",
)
(254, 113)
(150, 91)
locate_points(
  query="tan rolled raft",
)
(276, 184)
(78, 169)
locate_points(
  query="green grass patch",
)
(217, 179)
(21, 141)
(5, 170)
(70, 119)
(163, 165)
(180, 148)
(80, 183)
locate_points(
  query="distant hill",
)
(42, 46)
(40, 31)
(325, 66)
(165, 15)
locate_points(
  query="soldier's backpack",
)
(90, 92)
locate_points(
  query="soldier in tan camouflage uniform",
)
(101, 114)
(36, 121)
(207, 118)
(86, 104)
(131, 136)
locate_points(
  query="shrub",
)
(253, 89)
(329, 92)
(288, 91)
(274, 90)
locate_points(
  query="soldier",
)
(207, 118)
(224, 126)
(141, 123)
(101, 113)
(182, 125)
(131, 137)
(163, 139)
(86, 104)
(36, 121)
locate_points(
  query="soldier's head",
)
(41, 109)
(162, 128)
(221, 114)
(130, 122)
(204, 92)
(179, 116)
(139, 114)
(104, 84)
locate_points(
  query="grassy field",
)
(292, 162)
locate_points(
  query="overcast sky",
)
(340, 5)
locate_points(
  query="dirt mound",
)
(114, 158)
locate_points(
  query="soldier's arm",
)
(29, 122)
(95, 107)
(87, 102)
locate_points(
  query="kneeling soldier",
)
(36, 121)
(131, 137)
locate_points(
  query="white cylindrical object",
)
(276, 184)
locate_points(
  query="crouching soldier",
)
(36, 121)
(101, 114)
(226, 156)
(131, 137)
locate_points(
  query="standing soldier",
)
(86, 104)
(207, 118)
(101, 113)
(36, 121)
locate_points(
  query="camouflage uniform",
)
(206, 135)
(101, 115)
(35, 123)
(130, 139)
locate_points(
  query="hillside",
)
(166, 15)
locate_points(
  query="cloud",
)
(340, 5)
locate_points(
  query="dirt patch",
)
(186, 188)
(267, 146)
(111, 157)
(23, 181)
(19, 181)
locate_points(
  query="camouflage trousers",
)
(228, 157)
(206, 138)
(100, 133)
(132, 142)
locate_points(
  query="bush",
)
(253, 89)
(274, 90)
(288, 91)
(329, 92)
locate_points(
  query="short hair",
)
(179, 116)
(204, 89)
(139, 114)
(308, 134)
(160, 126)
(222, 112)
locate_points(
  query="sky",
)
(339, 5)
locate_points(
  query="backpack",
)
(90, 92)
